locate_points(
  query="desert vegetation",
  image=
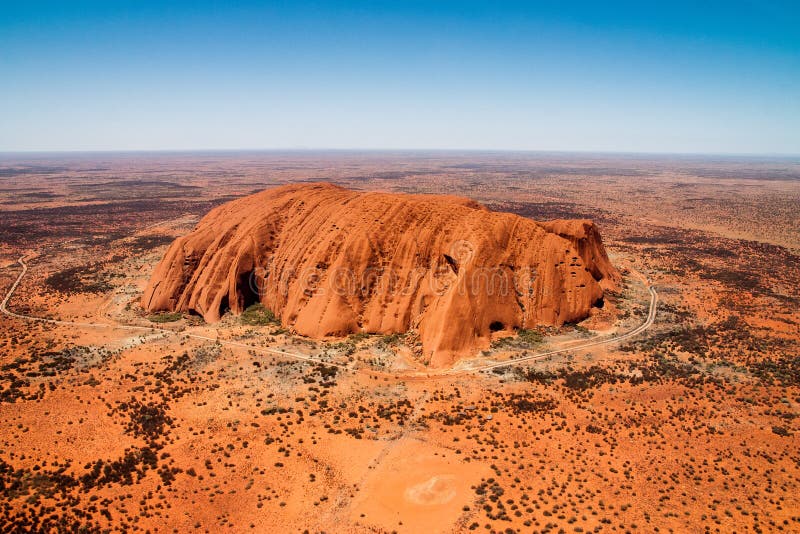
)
(690, 426)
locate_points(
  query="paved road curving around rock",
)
(447, 373)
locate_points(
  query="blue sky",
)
(721, 77)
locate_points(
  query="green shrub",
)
(165, 317)
(258, 315)
(358, 337)
(389, 340)
(525, 339)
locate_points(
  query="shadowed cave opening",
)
(495, 326)
(599, 303)
(247, 290)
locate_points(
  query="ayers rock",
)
(329, 262)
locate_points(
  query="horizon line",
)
(165, 151)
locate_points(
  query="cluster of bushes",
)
(784, 370)
(741, 280)
(492, 491)
(148, 421)
(165, 317)
(145, 243)
(81, 279)
(659, 367)
(327, 374)
(14, 376)
(258, 315)
(399, 411)
(583, 379)
(15, 483)
(523, 404)
(524, 339)
(388, 341)
(345, 348)
(121, 471)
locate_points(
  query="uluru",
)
(329, 261)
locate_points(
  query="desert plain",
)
(117, 418)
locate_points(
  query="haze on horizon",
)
(723, 77)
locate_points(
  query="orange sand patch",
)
(417, 487)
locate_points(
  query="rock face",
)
(330, 262)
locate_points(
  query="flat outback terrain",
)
(652, 386)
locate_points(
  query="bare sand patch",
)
(417, 487)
